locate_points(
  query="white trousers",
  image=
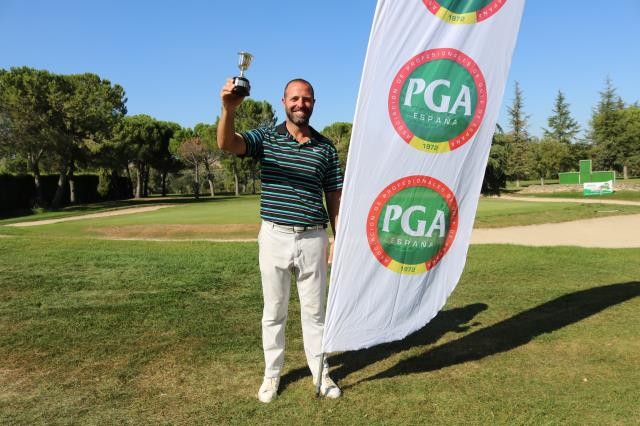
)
(283, 252)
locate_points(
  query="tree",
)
(518, 151)
(249, 115)
(208, 154)
(606, 129)
(340, 134)
(28, 117)
(161, 158)
(579, 150)
(548, 154)
(495, 176)
(207, 134)
(5, 132)
(193, 152)
(88, 109)
(139, 134)
(563, 128)
(626, 146)
(518, 120)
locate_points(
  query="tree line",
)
(67, 124)
(71, 124)
(611, 140)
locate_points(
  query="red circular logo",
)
(464, 12)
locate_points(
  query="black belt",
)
(297, 228)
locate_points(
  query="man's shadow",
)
(500, 337)
(451, 320)
(517, 330)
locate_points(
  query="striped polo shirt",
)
(294, 175)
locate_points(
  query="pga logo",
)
(412, 224)
(394, 212)
(418, 86)
(437, 100)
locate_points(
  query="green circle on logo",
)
(438, 100)
(413, 225)
(464, 6)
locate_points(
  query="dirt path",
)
(92, 215)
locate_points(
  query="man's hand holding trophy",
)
(241, 84)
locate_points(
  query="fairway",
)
(220, 218)
(233, 218)
(95, 331)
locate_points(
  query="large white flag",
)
(431, 89)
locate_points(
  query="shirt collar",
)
(282, 130)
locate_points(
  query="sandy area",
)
(606, 232)
(92, 215)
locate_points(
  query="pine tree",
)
(518, 120)
(606, 128)
(563, 128)
(518, 150)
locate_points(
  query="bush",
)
(86, 188)
(16, 192)
(114, 187)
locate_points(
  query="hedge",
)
(18, 192)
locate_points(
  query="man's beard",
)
(297, 120)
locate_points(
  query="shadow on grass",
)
(500, 337)
(451, 320)
(515, 331)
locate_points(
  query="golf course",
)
(148, 312)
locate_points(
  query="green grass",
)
(238, 218)
(496, 213)
(524, 183)
(208, 218)
(105, 332)
(617, 195)
(79, 210)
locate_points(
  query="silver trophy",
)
(241, 84)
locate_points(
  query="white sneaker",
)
(328, 387)
(269, 389)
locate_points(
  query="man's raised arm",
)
(228, 139)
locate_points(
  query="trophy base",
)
(241, 86)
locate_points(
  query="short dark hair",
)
(299, 80)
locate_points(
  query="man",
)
(298, 166)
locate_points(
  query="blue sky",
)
(173, 57)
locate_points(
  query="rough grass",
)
(103, 332)
(174, 231)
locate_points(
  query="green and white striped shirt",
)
(294, 175)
